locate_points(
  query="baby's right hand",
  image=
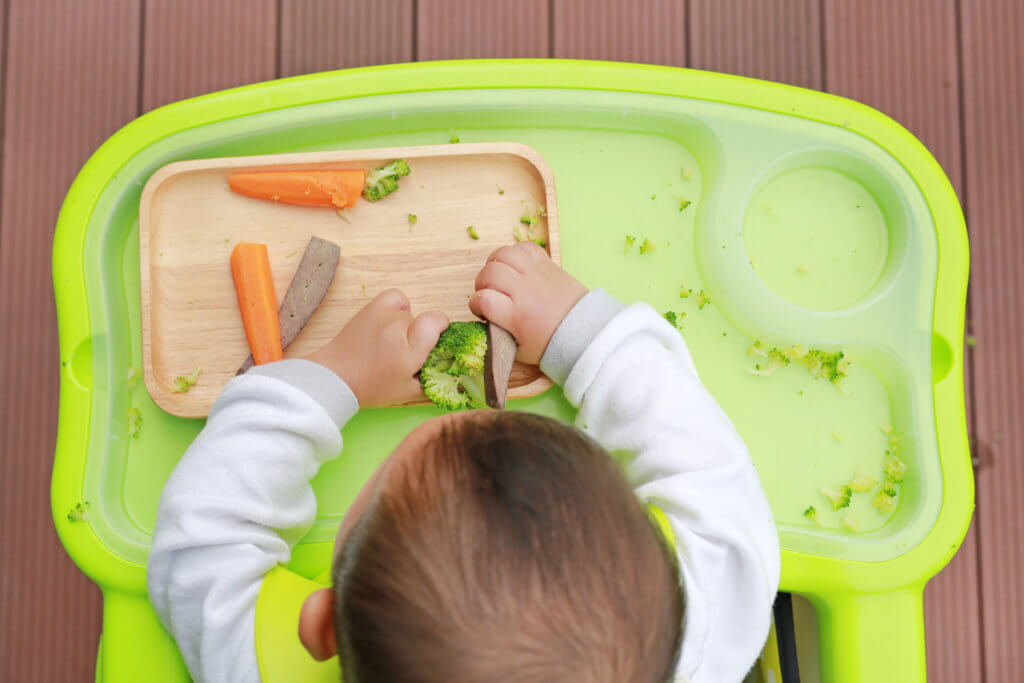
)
(522, 290)
(380, 350)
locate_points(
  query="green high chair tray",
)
(814, 221)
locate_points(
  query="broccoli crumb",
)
(364, 289)
(452, 137)
(850, 524)
(630, 241)
(687, 174)
(684, 292)
(674, 319)
(895, 469)
(500, 190)
(134, 373)
(884, 502)
(183, 383)
(528, 219)
(647, 246)
(79, 513)
(654, 196)
(862, 482)
(292, 255)
(471, 231)
(756, 349)
(811, 513)
(412, 220)
(344, 214)
(134, 421)
(702, 300)
(683, 203)
(887, 428)
(840, 498)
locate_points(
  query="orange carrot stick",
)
(250, 268)
(306, 188)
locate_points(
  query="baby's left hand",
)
(381, 349)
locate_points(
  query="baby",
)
(489, 546)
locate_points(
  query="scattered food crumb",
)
(684, 293)
(811, 513)
(683, 203)
(292, 254)
(134, 421)
(364, 289)
(344, 214)
(183, 383)
(687, 174)
(838, 436)
(500, 191)
(647, 246)
(971, 340)
(79, 513)
(802, 269)
(654, 196)
(702, 300)
(850, 524)
(452, 137)
(630, 241)
(412, 221)
(134, 373)
(674, 319)
(472, 232)
(887, 428)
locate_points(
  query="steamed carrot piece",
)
(250, 268)
(306, 188)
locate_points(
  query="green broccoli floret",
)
(895, 469)
(647, 246)
(890, 488)
(183, 383)
(831, 366)
(630, 241)
(134, 421)
(674, 319)
(811, 513)
(776, 359)
(384, 180)
(471, 231)
(885, 503)
(528, 219)
(452, 376)
(840, 497)
(702, 300)
(862, 482)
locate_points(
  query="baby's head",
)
(499, 546)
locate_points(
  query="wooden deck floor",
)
(73, 72)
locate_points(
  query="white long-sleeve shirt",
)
(241, 497)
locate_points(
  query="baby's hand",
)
(381, 349)
(522, 290)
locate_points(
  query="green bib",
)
(279, 651)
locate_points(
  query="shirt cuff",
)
(316, 381)
(586, 319)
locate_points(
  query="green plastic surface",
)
(814, 221)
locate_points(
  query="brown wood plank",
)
(901, 58)
(71, 77)
(192, 47)
(778, 40)
(460, 29)
(320, 35)
(651, 31)
(993, 75)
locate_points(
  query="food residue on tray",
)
(183, 383)
(471, 231)
(78, 513)
(452, 137)
(134, 373)
(134, 421)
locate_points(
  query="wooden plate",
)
(189, 221)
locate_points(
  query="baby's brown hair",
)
(514, 549)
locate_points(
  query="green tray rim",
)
(801, 572)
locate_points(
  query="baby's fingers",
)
(423, 334)
(497, 276)
(494, 307)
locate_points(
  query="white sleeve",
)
(235, 506)
(631, 376)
